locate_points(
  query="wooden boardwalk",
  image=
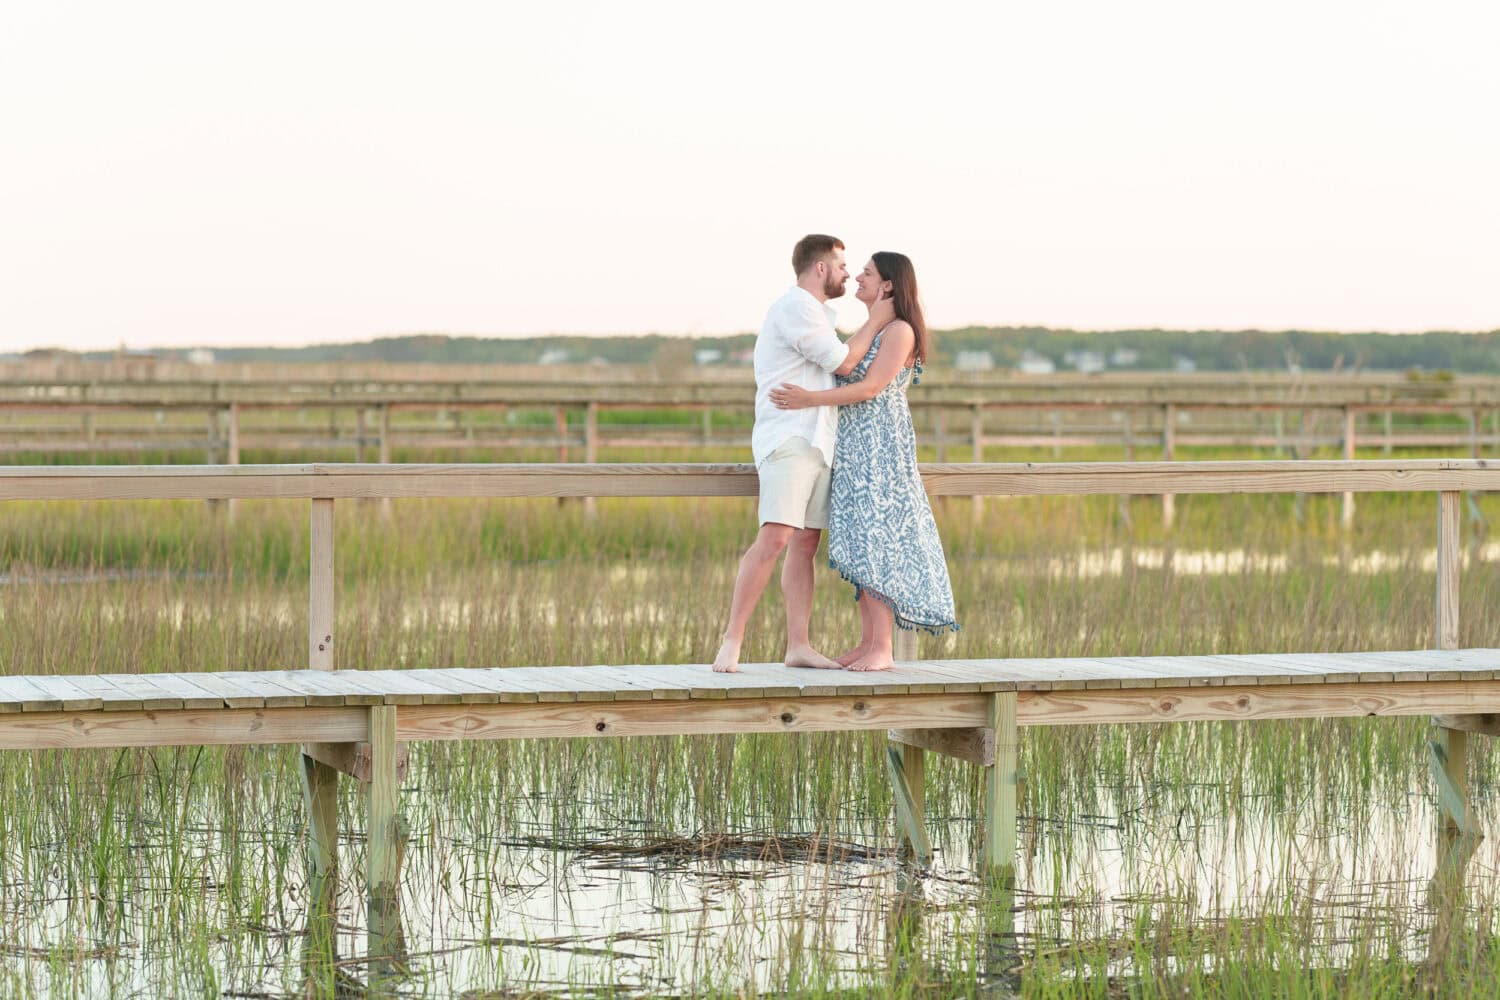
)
(293, 706)
(354, 721)
(332, 412)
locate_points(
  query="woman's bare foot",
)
(874, 660)
(728, 659)
(806, 656)
(851, 656)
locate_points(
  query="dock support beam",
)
(320, 791)
(1000, 793)
(907, 772)
(386, 946)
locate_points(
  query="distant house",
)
(707, 356)
(200, 356)
(974, 361)
(552, 356)
(1033, 363)
(1183, 365)
(745, 357)
(1086, 362)
(1124, 357)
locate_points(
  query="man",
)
(793, 449)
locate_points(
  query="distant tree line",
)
(1126, 350)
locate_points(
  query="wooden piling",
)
(905, 764)
(383, 913)
(1000, 793)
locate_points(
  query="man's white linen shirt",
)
(797, 344)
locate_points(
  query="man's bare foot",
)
(728, 659)
(873, 661)
(850, 656)
(806, 656)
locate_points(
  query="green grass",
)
(1237, 860)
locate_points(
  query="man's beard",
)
(833, 289)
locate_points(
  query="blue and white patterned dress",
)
(881, 535)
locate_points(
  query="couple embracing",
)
(834, 448)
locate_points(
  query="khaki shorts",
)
(794, 484)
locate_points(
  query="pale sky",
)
(288, 173)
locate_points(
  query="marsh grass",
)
(1278, 858)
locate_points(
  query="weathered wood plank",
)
(331, 481)
(211, 727)
(396, 687)
(319, 689)
(71, 697)
(648, 718)
(250, 684)
(112, 699)
(1484, 723)
(180, 690)
(974, 746)
(21, 694)
(470, 693)
(1287, 701)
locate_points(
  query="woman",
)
(881, 535)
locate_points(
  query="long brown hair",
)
(896, 268)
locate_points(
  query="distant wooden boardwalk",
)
(217, 413)
(352, 721)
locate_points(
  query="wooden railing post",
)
(976, 436)
(1168, 454)
(1348, 514)
(89, 433)
(590, 446)
(234, 451)
(385, 454)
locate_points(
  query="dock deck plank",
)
(20, 694)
